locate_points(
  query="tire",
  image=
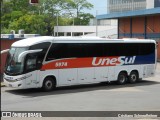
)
(133, 77)
(48, 84)
(122, 78)
(140, 80)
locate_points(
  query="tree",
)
(75, 9)
(80, 5)
(8, 18)
(32, 24)
(41, 18)
(5, 7)
(16, 5)
(83, 19)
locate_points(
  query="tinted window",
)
(95, 50)
(146, 49)
(34, 60)
(73, 50)
(43, 46)
(77, 50)
(64, 50)
(57, 51)
(31, 62)
(128, 49)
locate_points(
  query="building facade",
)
(136, 19)
(131, 5)
(101, 28)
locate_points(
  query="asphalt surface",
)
(142, 96)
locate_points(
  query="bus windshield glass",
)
(13, 67)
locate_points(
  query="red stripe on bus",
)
(81, 63)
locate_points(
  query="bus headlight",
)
(18, 79)
(22, 78)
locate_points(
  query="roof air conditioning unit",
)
(21, 33)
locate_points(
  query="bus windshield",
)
(13, 67)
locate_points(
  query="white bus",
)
(49, 62)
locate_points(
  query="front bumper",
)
(15, 84)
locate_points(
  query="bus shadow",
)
(78, 88)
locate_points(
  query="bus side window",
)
(146, 49)
(77, 50)
(43, 46)
(57, 51)
(95, 50)
(31, 62)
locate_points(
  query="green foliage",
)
(83, 19)
(8, 18)
(5, 30)
(79, 5)
(41, 18)
(30, 23)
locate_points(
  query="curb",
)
(2, 84)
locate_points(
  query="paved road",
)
(141, 96)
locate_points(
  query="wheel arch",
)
(135, 70)
(51, 76)
(123, 71)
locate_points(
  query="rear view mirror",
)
(23, 54)
(4, 51)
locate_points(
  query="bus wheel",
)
(122, 78)
(48, 84)
(133, 77)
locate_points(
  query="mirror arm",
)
(21, 56)
(4, 51)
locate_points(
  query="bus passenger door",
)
(31, 71)
(68, 76)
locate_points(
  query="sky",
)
(99, 5)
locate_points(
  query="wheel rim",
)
(133, 77)
(122, 78)
(48, 84)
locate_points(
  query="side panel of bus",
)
(67, 76)
(72, 64)
(101, 74)
(148, 70)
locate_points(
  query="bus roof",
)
(35, 40)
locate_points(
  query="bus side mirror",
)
(23, 54)
(4, 51)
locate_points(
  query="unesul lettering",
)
(123, 60)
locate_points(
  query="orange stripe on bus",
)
(77, 63)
